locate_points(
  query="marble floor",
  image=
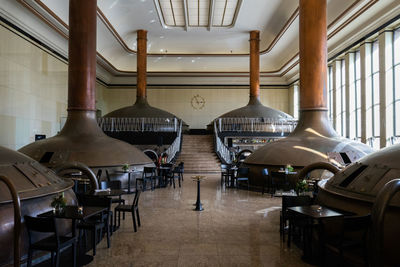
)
(236, 228)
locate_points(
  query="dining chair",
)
(175, 174)
(266, 180)
(181, 166)
(287, 202)
(134, 209)
(242, 174)
(54, 243)
(225, 174)
(96, 224)
(149, 173)
(351, 239)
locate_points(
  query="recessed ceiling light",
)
(161, 50)
(162, 37)
(193, 61)
(152, 21)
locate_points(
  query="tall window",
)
(330, 93)
(355, 96)
(341, 98)
(393, 93)
(372, 96)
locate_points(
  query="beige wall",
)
(178, 101)
(34, 88)
(33, 91)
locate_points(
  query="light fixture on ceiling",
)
(198, 13)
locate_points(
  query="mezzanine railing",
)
(255, 125)
(139, 124)
(176, 146)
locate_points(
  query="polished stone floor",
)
(236, 228)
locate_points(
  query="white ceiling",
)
(213, 52)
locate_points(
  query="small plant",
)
(289, 168)
(59, 202)
(125, 167)
(301, 186)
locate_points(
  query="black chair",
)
(149, 173)
(113, 185)
(266, 180)
(98, 175)
(225, 174)
(53, 243)
(134, 209)
(350, 240)
(291, 201)
(242, 175)
(175, 174)
(96, 224)
(181, 166)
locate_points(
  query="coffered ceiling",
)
(189, 40)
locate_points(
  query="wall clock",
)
(197, 102)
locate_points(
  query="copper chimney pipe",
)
(314, 139)
(141, 108)
(255, 64)
(141, 65)
(254, 108)
(81, 139)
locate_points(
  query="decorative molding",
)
(285, 68)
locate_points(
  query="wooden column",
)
(313, 51)
(82, 55)
(254, 64)
(141, 65)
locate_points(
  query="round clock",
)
(197, 102)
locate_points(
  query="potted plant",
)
(289, 168)
(59, 203)
(301, 187)
(125, 167)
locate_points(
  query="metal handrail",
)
(237, 124)
(138, 124)
(176, 146)
(83, 168)
(378, 215)
(17, 218)
(221, 149)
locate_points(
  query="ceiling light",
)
(198, 13)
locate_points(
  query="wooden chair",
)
(134, 209)
(350, 240)
(98, 223)
(149, 173)
(53, 243)
(225, 174)
(266, 180)
(291, 201)
(242, 175)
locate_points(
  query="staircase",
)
(198, 154)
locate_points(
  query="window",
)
(341, 98)
(372, 96)
(330, 93)
(393, 92)
(355, 96)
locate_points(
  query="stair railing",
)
(176, 146)
(222, 151)
(17, 218)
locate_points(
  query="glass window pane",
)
(396, 39)
(397, 118)
(376, 121)
(397, 82)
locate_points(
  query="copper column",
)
(82, 55)
(313, 55)
(255, 64)
(141, 64)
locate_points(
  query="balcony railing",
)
(255, 125)
(221, 149)
(139, 124)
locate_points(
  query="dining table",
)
(75, 213)
(313, 214)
